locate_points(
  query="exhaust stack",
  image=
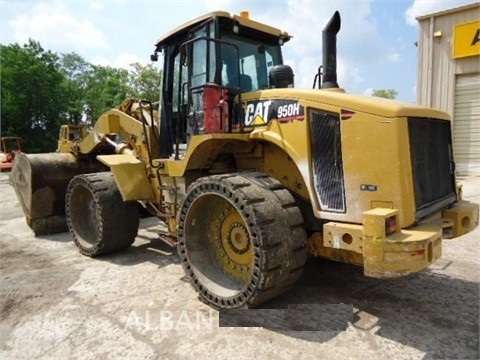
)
(329, 40)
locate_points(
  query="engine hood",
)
(345, 101)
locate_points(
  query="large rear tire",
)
(97, 217)
(241, 239)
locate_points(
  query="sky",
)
(376, 43)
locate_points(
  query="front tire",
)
(99, 221)
(241, 239)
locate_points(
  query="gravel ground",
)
(57, 304)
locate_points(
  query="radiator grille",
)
(432, 164)
(327, 160)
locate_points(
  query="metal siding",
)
(423, 83)
(437, 68)
(443, 65)
(466, 126)
(452, 85)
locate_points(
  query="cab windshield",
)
(255, 61)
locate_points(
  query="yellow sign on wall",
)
(466, 39)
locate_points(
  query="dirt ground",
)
(58, 304)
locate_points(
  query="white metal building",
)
(449, 77)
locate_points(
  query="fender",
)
(130, 175)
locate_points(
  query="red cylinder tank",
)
(215, 109)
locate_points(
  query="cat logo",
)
(256, 113)
(261, 112)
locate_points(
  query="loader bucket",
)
(41, 181)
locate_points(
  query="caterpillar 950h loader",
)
(249, 174)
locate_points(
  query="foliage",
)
(107, 88)
(77, 73)
(145, 81)
(32, 100)
(41, 90)
(385, 93)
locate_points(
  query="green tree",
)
(385, 93)
(42, 90)
(144, 82)
(32, 101)
(107, 87)
(77, 77)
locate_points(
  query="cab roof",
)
(246, 22)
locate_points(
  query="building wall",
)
(438, 70)
(437, 67)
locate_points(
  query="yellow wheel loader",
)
(250, 174)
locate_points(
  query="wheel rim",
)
(83, 212)
(247, 219)
(220, 250)
(230, 242)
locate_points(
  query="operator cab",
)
(208, 63)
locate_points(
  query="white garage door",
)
(466, 125)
